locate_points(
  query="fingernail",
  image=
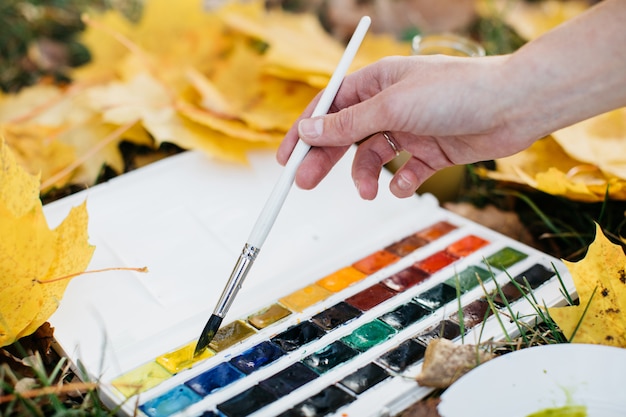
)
(403, 182)
(311, 128)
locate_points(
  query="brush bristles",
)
(208, 333)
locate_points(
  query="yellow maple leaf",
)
(298, 46)
(52, 130)
(31, 254)
(546, 167)
(581, 183)
(147, 100)
(171, 41)
(226, 80)
(38, 149)
(263, 102)
(600, 280)
(167, 43)
(229, 127)
(600, 141)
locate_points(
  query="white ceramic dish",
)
(530, 380)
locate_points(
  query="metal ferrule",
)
(245, 261)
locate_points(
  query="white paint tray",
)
(186, 219)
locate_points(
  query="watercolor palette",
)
(334, 319)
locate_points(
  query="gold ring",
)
(388, 137)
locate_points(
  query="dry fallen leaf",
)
(262, 102)
(298, 46)
(424, 408)
(600, 280)
(38, 149)
(168, 42)
(227, 80)
(545, 166)
(506, 222)
(31, 254)
(599, 141)
(158, 79)
(54, 131)
(446, 361)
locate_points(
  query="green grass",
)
(40, 390)
(537, 328)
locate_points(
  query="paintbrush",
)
(278, 195)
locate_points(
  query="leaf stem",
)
(93, 271)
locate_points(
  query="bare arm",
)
(572, 73)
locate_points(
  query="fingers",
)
(318, 161)
(378, 150)
(347, 126)
(317, 164)
(409, 177)
(371, 155)
(361, 108)
(326, 149)
(356, 88)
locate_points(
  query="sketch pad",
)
(186, 219)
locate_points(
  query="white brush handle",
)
(276, 199)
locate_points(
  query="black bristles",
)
(208, 333)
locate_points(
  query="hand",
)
(441, 110)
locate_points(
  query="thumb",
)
(343, 128)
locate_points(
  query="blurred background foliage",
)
(39, 41)
(39, 37)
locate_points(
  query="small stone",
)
(445, 362)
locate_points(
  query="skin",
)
(448, 111)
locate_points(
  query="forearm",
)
(570, 74)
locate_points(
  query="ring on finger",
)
(390, 141)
